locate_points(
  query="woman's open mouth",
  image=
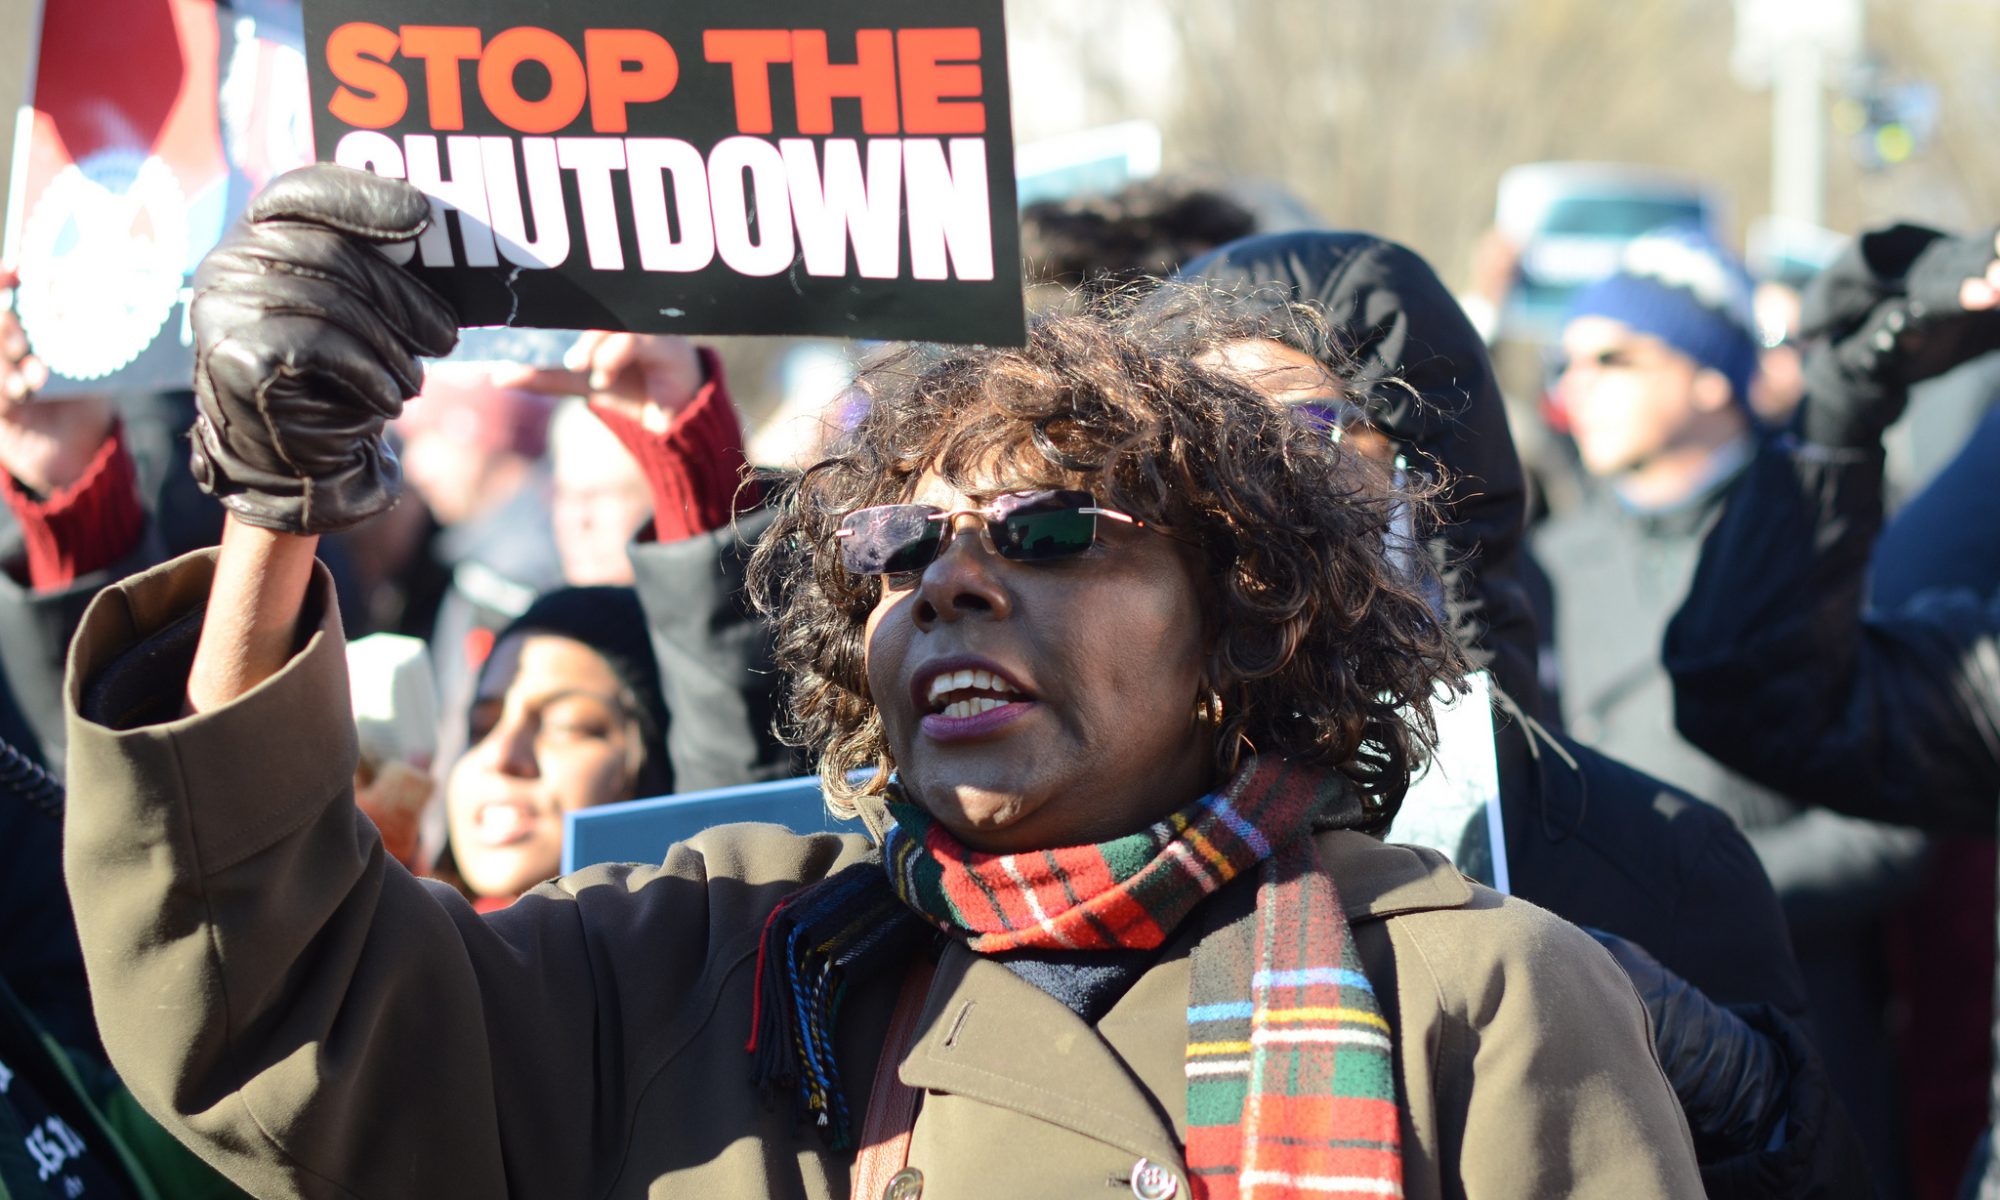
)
(501, 824)
(970, 702)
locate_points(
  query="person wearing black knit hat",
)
(566, 714)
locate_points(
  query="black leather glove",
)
(1887, 315)
(306, 343)
(1731, 1081)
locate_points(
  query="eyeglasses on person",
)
(1026, 526)
(1556, 362)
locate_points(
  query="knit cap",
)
(1679, 286)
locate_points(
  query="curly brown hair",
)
(1322, 645)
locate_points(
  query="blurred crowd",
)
(1743, 658)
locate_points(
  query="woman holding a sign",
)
(1129, 665)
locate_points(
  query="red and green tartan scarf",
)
(1291, 1090)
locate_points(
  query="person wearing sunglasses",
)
(1591, 839)
(1108, 654)
(1044, 556)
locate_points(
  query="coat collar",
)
(1377, 880)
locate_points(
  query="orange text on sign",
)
(910, 81)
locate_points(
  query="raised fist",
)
(306, 344)
(1903, 304)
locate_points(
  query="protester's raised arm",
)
(664, 399)
(1779, 671)
(254, 611)
(306, 344)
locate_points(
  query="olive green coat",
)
(321, 1024)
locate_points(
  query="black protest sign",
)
(724, 166)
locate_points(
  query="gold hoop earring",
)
(1208, 707)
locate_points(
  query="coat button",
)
(906, 1184)
(1151, 1181)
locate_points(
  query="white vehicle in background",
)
(1571, 221)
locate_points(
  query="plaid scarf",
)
(1291, 1091)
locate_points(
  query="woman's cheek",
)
(457, 800)
(616, 773)
(884, 651)
(588, 774)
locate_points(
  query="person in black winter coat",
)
(1781, 668)
(1662, 358)
(1587, 837)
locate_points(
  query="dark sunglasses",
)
(1556, 364)
(1331, 413)
(1031, 526)
(1609, 359)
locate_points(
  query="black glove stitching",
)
(373, 295)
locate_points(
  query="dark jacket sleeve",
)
(35, 630)
(714, 656)
(39, 956)
(1816, 1155)
(1780, 674)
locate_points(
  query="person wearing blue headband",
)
(1660, 358)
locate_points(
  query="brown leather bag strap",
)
(892, 1104)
